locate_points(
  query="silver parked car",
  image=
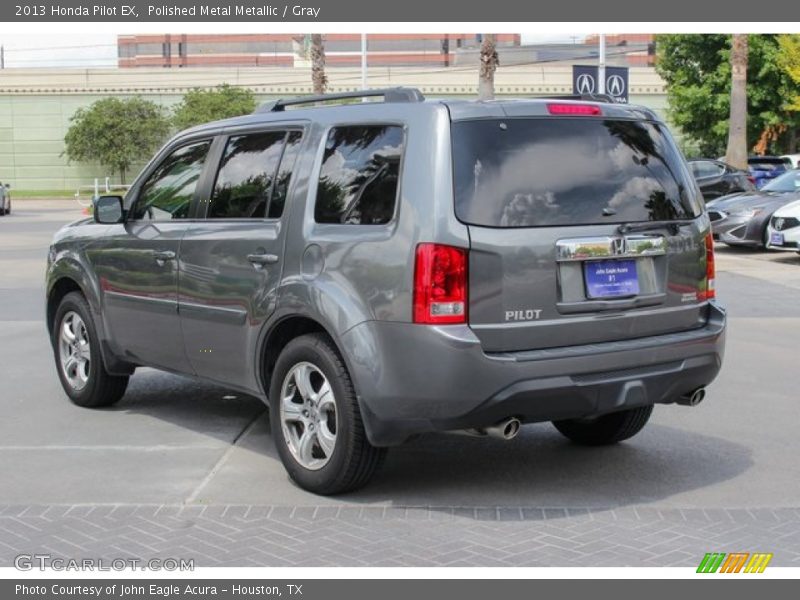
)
(742, 219)
(378, 270)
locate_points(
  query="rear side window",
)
(568, 171)
(246, 174)
(706, 168)
(359, 175)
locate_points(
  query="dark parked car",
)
(5, 199)
(716, 179)
(378, 270)
(765, 168)
(742, 219)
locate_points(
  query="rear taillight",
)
(440, 284)
(574, 109)
(709, 292)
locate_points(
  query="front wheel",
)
(77, 352)
(316, 421)
(607, 429)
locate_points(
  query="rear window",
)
(767, 164)
(563, 171)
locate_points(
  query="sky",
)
(87, 50)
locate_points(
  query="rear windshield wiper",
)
(673, 226)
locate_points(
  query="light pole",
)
(364, 62)
(601, 66)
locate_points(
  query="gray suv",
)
(383, 269)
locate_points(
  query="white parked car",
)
(792, 158)
(783, 231)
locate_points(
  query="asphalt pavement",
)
(185, 468)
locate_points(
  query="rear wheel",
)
(607, 429)
(316, 421)
(78, 361)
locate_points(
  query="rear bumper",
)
(414, 379)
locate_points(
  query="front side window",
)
(359, 176)
(280, 189)
(246, 174)
(168, 191)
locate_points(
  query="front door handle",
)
(262, 259)
(162, 256)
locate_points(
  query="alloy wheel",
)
(74, 351)
(308, 415)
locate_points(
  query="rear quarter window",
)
(568, 171)
(358, 180)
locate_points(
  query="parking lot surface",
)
(183, 468)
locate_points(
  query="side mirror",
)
(108, 210)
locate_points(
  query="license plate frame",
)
(610, 279)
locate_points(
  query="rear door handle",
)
(163, 256)
(263, 259)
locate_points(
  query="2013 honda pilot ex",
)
(381, 269)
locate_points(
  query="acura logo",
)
(615, 85)
(584, 84)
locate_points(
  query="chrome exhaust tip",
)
(506, 429)
(693, 398)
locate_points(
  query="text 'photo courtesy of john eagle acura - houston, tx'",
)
(382, 269)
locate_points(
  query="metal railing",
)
(96, 188)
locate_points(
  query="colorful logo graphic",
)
(735, 562)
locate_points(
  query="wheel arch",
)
(279, 334)
(58, 290)
(66, 277)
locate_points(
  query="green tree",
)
(116, 133)
(201, 106)
(789, 61)
(697, 70)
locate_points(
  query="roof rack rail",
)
(395, 94)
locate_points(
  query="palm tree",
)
(736, 153)
(318, 78)
(488, 65)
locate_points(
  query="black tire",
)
(607, 429)
(101, 388)
(353, 461)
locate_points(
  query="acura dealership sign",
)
(585, 81)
